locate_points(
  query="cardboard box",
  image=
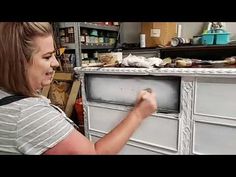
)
(158, 33)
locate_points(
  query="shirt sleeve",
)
(41, 127)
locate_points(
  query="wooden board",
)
(68, 77)
(72, 97)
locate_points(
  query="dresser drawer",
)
(123, 89)
(153, 131)
(210, 138)
(216, 97)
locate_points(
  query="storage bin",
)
(218, 36)
(222, 38)
(208, 38)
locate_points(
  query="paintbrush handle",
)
(189, 62)
(184, 63)
(230, 60)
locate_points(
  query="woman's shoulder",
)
(38, 108)
(31, 101)
(42, 100)
(35, 103)
(24, 102)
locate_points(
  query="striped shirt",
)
(31, 126)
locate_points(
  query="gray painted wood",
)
(216, 96)
(124, 90)
(214, 138)
(103, 119)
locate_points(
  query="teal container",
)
(218, 36)
(208, 38)
(222, 38)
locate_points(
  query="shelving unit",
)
(89, 48)
(96, 46)
(99, 27)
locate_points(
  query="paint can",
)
(178, 41)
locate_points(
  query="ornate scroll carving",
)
(186, 117)
(227, 72)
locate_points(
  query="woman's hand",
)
(146, 103)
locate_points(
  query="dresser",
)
(196, 114)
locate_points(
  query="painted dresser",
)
(197, 108)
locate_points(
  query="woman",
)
(32, 125)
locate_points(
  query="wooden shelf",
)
(198, 47)
(96, 46)
(66, 24)
(204, 52)
(69, 45)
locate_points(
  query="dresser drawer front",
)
(157, 131)
(210, 138)
(216, 97)
(123, 89)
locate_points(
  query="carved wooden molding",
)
(186, 117)
(198, 71)
(136, 71)
(227, 72)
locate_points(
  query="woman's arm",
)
(114, 141)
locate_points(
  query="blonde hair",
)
(16, 50)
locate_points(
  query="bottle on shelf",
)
(101, 37)
(95, 55)
(93, 58)
(87, 38)
(106, 38)
(84, 58)
(71, 35)
(94, 36)
(112, 38)
(83, 34)
(62, 35)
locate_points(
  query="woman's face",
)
(41, 69)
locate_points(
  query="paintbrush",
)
(192, 62)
